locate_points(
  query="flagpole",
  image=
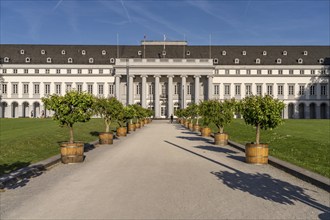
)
(144, 46)
(210, 46)
(184, 46)
(117, 45)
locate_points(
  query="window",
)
(91, 60)
(269, 72)
(305, 53)
(36, 71)
(43, 52)
(322, 72)
(238, 72)
(151, 91)
(216, 89)
(321, 60)
(269, 89)
(47, 89)
(111, 89)
(257, 61)
(83, 52)
(236, 61)
(68, 71)
(164, 53)
(323, 90)
(58, 89)
(70, 60)
(79, 87)
(4, 70)
(112, 60)
(188, 53)
(302, 72)
(237, 89)
(15, 88)
(291, 90)
(300, 60)
(79, 71)
(100, 89)
(248, 72)
(4, 88)
(224, 53)
(175, 89)
(47, 71)
(188, 89)
(90, 88)
(264, 53)
(313, 72)
(63, 52)
(25, 88)
(68, 87)
(49, 60)
(100, 71)
(227, 89)
(215, 61)
(104, 52)
(90, 71)
(58, 71)
(280, 90)
(27, 60)
(291, 72)
(259, 72)
(26, 71)
(259, 90)
(285, 53)
(36, 89)
(243, 52)
(227, 72)
(278, 61)
(22, 52)
(248, 90)
(15, 70)
(6, 59)
(301, 90)
(137, 89)
(312, 90)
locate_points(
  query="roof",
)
(309, 55)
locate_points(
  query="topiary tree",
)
(73, 107)
(109, 109)
(130, 113)
(193, 111)
(262, 112)
(203, 110)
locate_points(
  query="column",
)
(117, 87)
(130, 92)
(197, 88)
(183, 91)
(144, 91)
(209, 87)
(156, 99)
(170, 95)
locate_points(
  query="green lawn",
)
(28, 140)
(305, 143)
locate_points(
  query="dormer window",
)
(139, 53)
(224, 53)
(70, 60)
(27, 60)
(243, 52)
(91, 60)
(164, 53)
(43, 52)
(83, 52)
(63, 52)
(264, 53)
(22, 52)
(257, 61)
(188, 53)
(300, 60)
(236, 61)
(321, 60)
(278, 61)
(215, 61)
(112, 60)
(285, 53)
(104, 52)
(6, 60)
(305, 53)
(49, 60)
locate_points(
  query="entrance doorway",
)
(163, 111)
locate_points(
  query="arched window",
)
(300, 60)
(27, 60)
(236, 61)
(22, 51)
(6, 59)
(104, 52)
(49, 60)
(83, 52)
(91, 60)
(43, 52)
(70, 60)
(257, 61)
(224, 53)
(63, 52)
(285, 53)
(278, 61)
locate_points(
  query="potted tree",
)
(203, 110)
(139, 115)
(130, 114)
(122, 122)
(263, 113)
(178, 114)
(109, 109)
(73, 107)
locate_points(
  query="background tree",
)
(73, 107)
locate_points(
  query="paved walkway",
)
(165, 172)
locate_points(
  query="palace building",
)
(165, 76)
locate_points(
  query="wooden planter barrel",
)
(186, 124)
(196, 128)
(106, 138)
(131, 127)
(256, 153)
(72, 153)
(190, 126)
(137, 125)
(183, 122)
(206, 132)
(146, 121)
(121, 132)
(221, 139)
(149, 120)
(141, 123)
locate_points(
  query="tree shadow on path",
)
(264, 186)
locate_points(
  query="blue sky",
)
(235, 22)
